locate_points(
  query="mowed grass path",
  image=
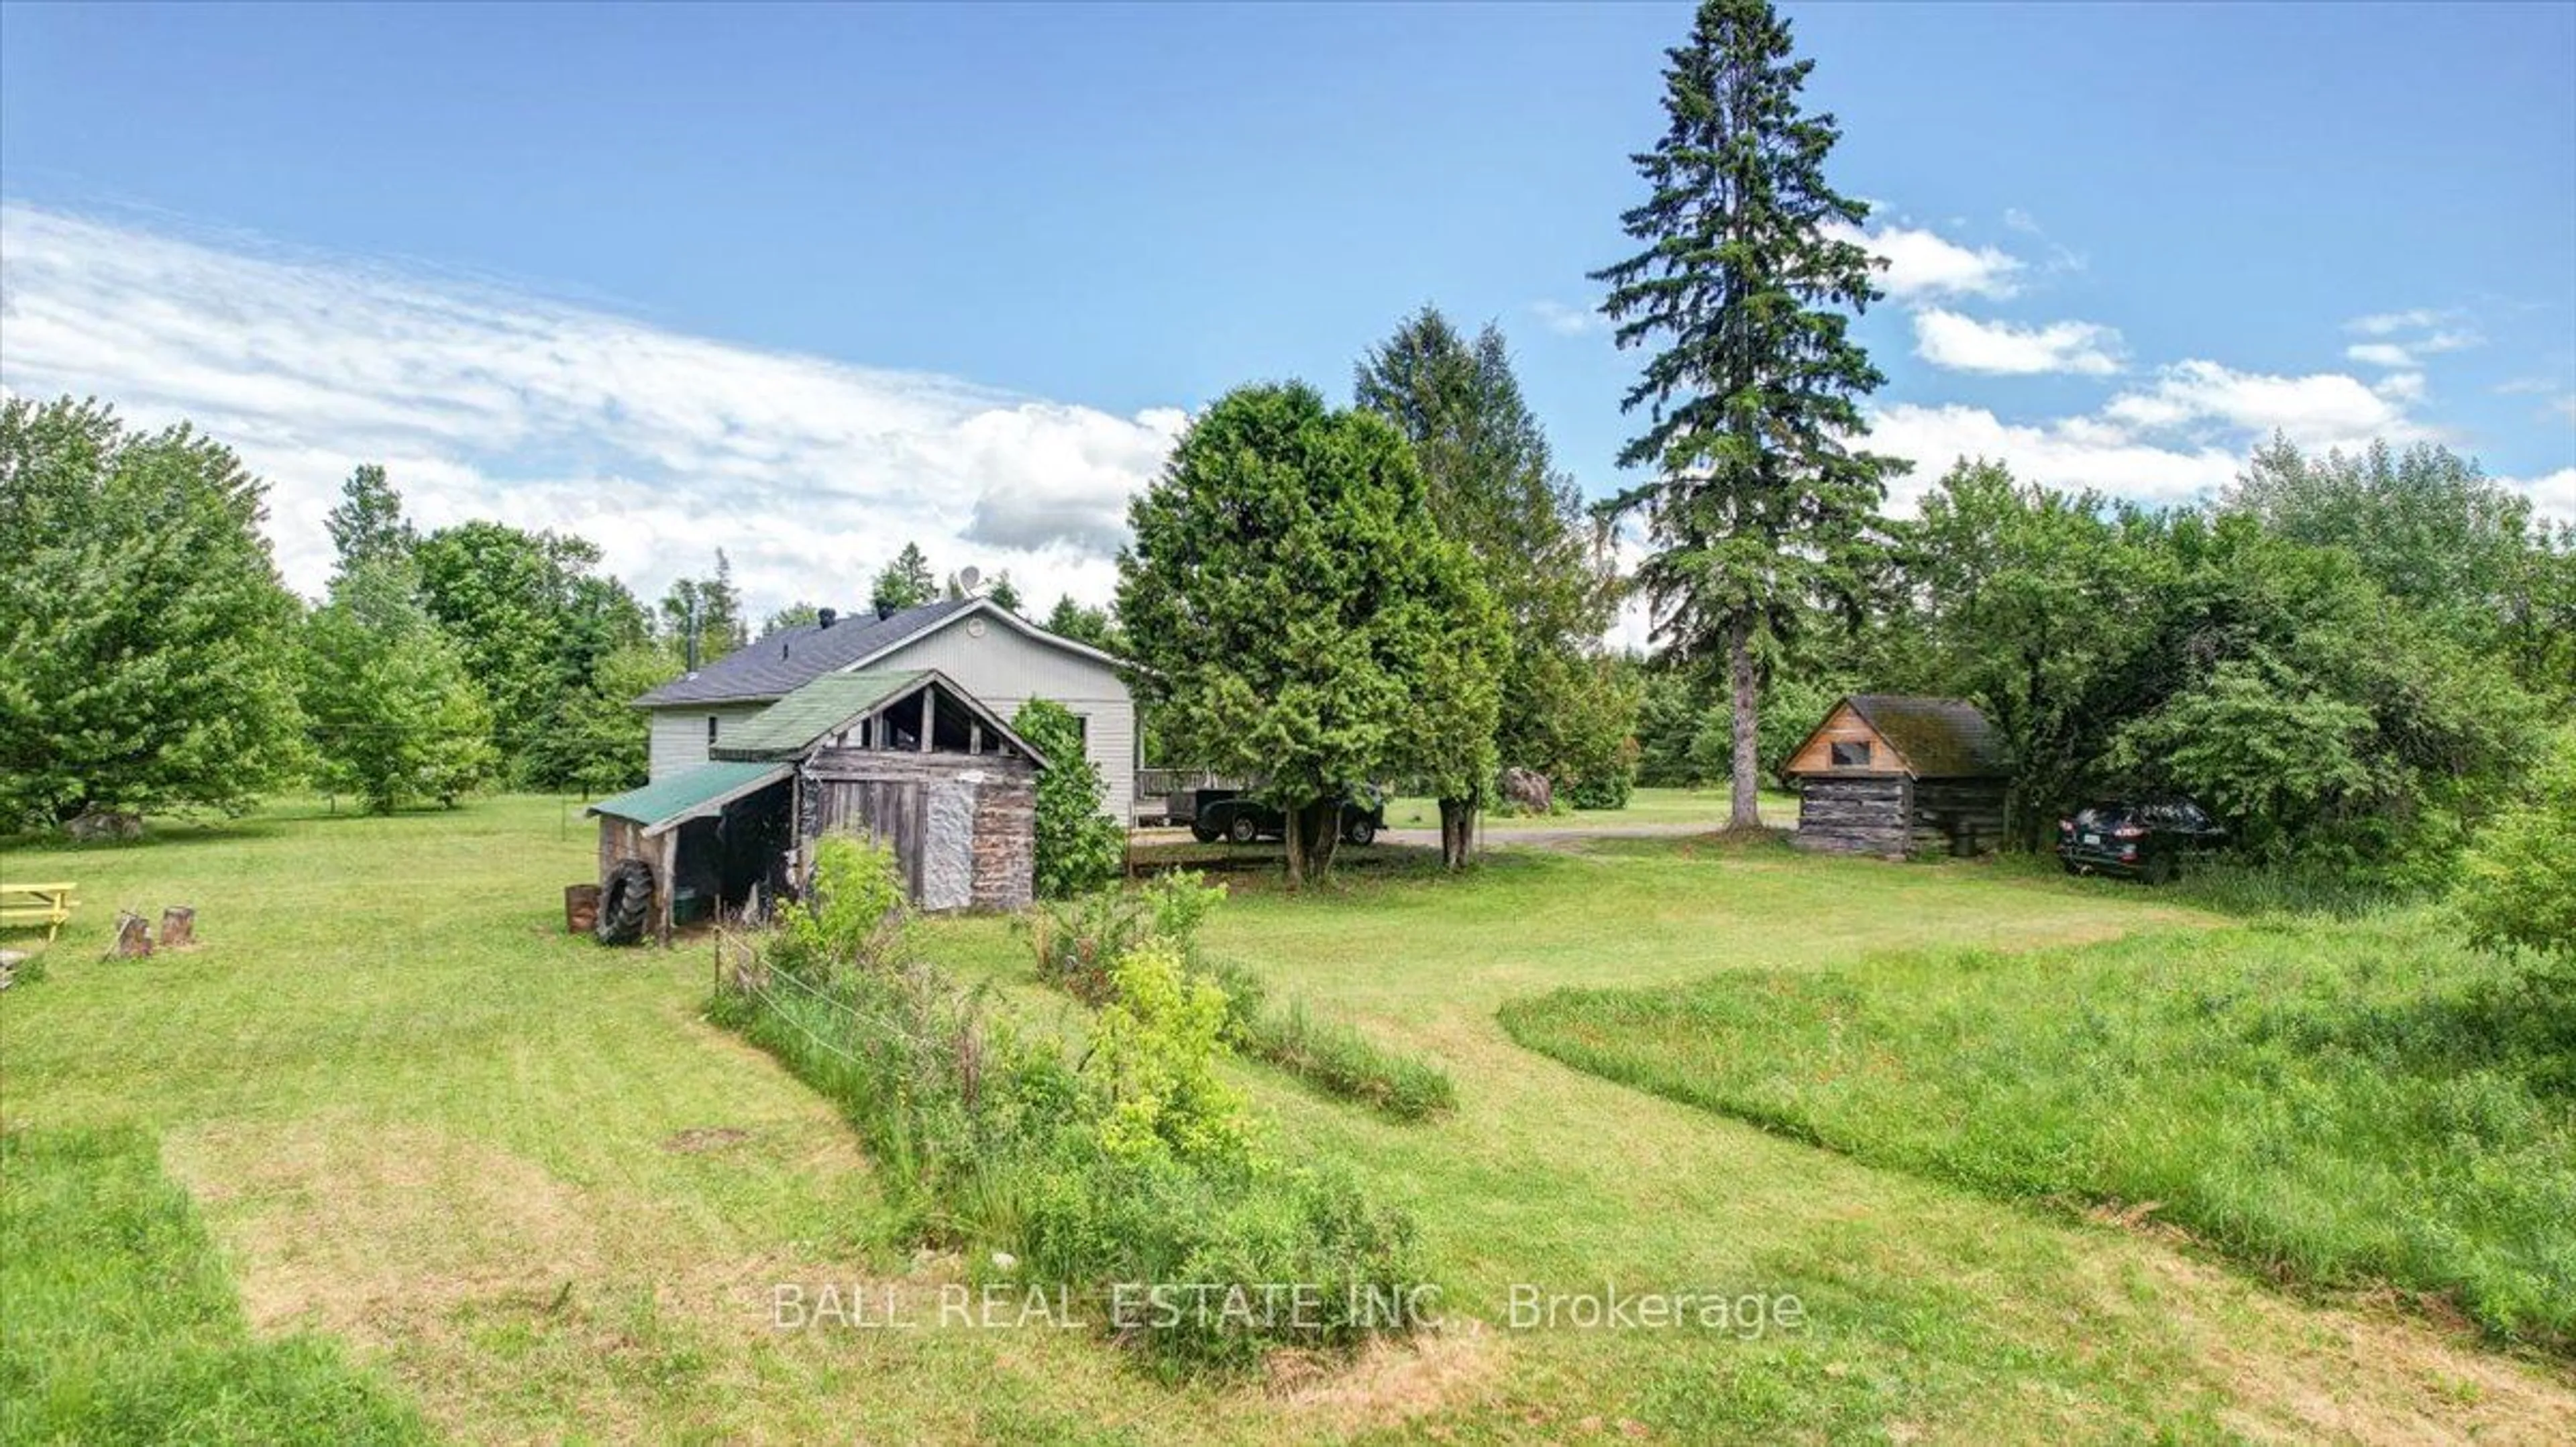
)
(531, 1188)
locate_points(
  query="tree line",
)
(152, 660)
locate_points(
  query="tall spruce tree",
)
(904, 583)
(1760, 506)
(702, 618)
(368, 523)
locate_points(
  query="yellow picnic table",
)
(37, 904)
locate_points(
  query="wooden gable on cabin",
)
(1846, 744)
(1896, 775)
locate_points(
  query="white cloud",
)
(2328, 409)
(482, 402)
(2389, 324)
(1922, 264)
(2553, 495)
(1568, 321)
(1945, 338)
(2177, 439)
(2075, 452)
(2380, 354)
(2400, 387)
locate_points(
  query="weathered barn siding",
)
(679, 737)
(1005, 668)
(1856, 814)
(621, 840)
(961, 828)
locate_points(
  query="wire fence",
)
(740, 967)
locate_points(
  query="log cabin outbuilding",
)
(1898, 776)
(903, 756)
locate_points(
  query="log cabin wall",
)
(1856, 814)
(1958, 816)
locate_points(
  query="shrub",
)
(1603, 791)
(1078, 847)
(1152, 1068)
(2518, 886)
(1077, 942)
(853, 913)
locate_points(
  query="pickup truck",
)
(1228, 814)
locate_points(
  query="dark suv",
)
(2136, 839)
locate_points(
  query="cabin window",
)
(1851, 754)
(711, 730)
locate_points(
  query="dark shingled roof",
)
(783, 662)
(1941, 738)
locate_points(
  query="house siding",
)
(1003, 668)
(1006, 668)
(679, 738)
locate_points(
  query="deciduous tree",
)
(1078, 847)
(395, 716)
(146, 643)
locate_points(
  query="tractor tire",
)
(1243, 829)
(1359, 831)
(625, 904)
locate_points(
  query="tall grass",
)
(2336, 1102)
(1335, 1058)
(121, 1323)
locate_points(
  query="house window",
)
(1851, 754)
(711, 730)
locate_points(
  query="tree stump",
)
(133, 937)
(178, 927)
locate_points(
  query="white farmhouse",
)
(1000, 658)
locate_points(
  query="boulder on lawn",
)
(1530, 790)
(105, 826)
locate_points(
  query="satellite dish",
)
(967, 578)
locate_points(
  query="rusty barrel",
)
(581, 907)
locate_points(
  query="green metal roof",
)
(790, 726)
(689, 793)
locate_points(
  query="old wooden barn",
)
(1892, 775)
(905, 757)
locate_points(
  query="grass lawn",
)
(527, 1188)
(1704, 807)
(2338, 1102)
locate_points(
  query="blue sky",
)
(803, 282)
